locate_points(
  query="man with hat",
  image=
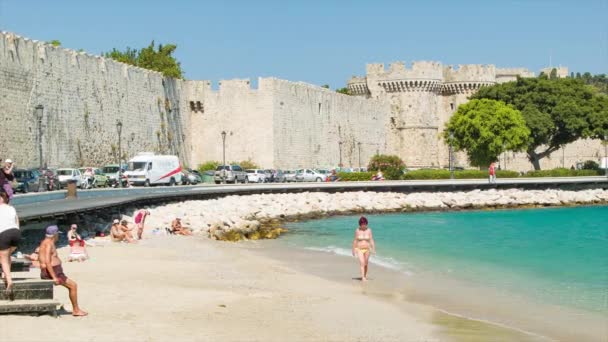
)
(50, 268)
(6, 177)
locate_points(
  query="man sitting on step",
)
(50, 268)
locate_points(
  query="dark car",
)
(27, 180)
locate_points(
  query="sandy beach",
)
(173, 288)
(195, 289)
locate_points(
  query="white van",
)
(147, 169)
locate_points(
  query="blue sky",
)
(326, 42)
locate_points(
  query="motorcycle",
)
(88, 182)
(124, 181)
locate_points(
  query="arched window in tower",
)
(452, 106)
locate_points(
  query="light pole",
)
(451, 156)
(504, 155)
(39, 113)
(119, 130)
(223, 157)
(340, 150)
(359, 146)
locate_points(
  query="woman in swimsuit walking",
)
(363, 246)
(140, 220)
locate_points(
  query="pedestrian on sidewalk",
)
(492, 172)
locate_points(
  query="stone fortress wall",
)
(280, 124)
(423, 98)
(83, 96)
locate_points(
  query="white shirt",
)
(8, 217)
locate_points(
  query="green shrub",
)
(393, 173)
(207, 166)
(461, 174)
(384, 162)
(591, 165)
(562, 172)
(355, 176)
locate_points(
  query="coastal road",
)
(50, 205)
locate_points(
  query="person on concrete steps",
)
(10, 236)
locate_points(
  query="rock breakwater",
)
(233, 218)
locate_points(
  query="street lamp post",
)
(119, 130)
(340, 150)
(359, 146)
(39, 113)
(504, 156)
(223, 157)
(451, 156)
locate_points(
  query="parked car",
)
(308, 175)
(191, 177)
(256, 175)
(66, 175)
(230, 174)
(111, 171)
(26, 180)
(101, 180)
(290, 176)
(279, 176)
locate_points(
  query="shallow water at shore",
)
(547, 277)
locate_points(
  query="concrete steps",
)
(31, 294)
(29, 288)
(30, 306)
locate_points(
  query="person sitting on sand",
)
(50, 268)
(33, 257)
(116, 233)
(78, 251)
(140, 220)
(363, 246)
(124, 227)
(177, 228)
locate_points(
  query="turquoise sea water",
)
(556, 255)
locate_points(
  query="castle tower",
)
(414, 95)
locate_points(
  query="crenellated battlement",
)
(399, 71)
(20, 49)
(470, 73)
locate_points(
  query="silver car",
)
(289, 176)
(230, 174)
(308, 175)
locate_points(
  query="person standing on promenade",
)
(10, 235)
(6, 177)
(363, 246)
(492, 172)
(50, 268)
(140, 220)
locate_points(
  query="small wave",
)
(386, 262)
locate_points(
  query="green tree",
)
(55, 42)
(151, 57)
(485, 129)
(391, 165)
(326, 86)
(344, 91)
(556, 111)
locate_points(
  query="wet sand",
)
(461, 311)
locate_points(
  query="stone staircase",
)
(30, 293)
